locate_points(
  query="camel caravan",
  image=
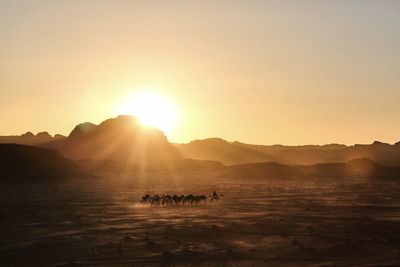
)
(175, 200)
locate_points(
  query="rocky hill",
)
(33, 163)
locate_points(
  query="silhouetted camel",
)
(168, 200)
(145, 199)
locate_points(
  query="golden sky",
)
(289, 72)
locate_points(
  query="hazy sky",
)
(291, 72)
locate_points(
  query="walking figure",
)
(214, 197)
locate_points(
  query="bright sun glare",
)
(151, 110)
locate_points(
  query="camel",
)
(145, 199)
(168, 200)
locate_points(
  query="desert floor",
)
(251, 225)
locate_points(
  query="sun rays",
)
(125, 149)
(151, 109)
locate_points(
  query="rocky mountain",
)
(122, 144)
(30, 139)
(239, 153)
(220, 150)
(120, 141)
(354, 170)
(82, 129)
(35, 164)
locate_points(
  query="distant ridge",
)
(354, 170)
(220, 150)
(29, 138)
(120, 139)
(35, 164)
(231, 153)
(38, 164)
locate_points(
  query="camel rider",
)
(215, 195)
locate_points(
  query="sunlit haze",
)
(200, 133)
(266, 72)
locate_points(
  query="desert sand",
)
(251, 225)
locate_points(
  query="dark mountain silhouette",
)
(30, 139)
(116, 146)
(118, 143)
(239, 153)
(220, 150)
(39, 164)
(82, 129)
(358, 169)
(123, 145)
(35, 164)
(27, 135)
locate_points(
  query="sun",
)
(151, 109)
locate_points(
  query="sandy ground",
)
(252, 225)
